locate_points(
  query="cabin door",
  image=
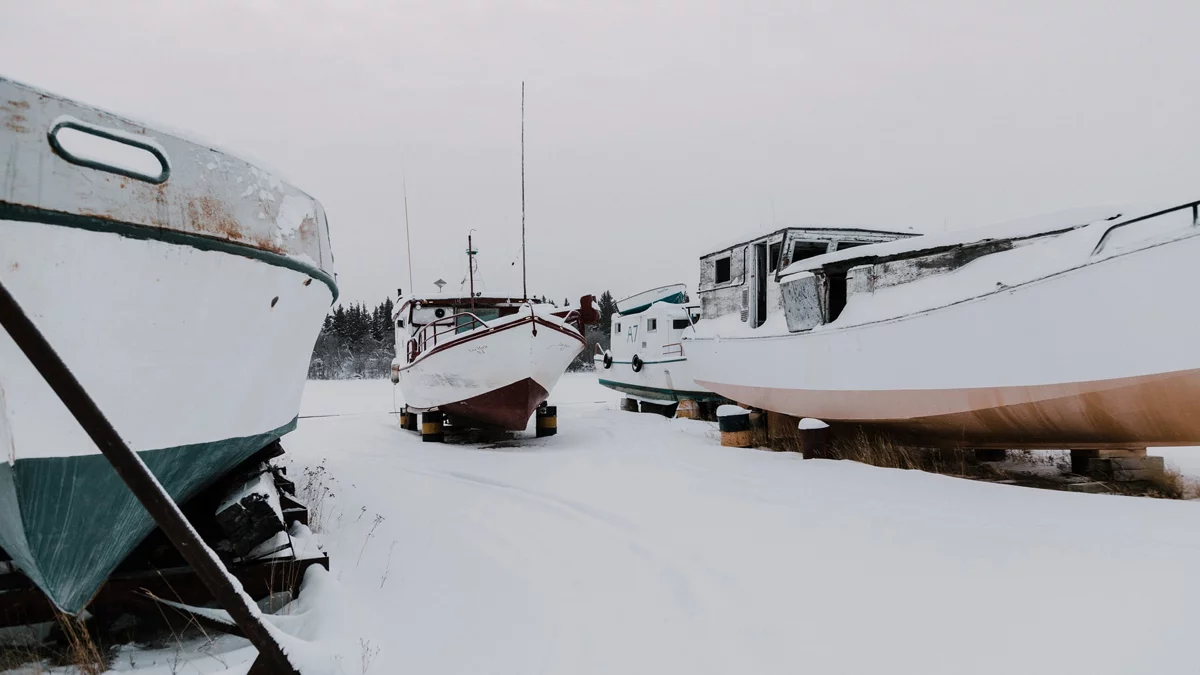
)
(759, 286)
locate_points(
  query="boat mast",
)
(407, 231)
(524, 285)
(471, 268)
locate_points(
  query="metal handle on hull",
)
(99, 163)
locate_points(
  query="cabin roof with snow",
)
(818, 233)
(1061, 221)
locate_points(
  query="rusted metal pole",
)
(143, 484)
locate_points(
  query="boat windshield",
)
(465, 323)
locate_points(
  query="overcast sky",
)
(655, 131)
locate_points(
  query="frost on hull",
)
(183, 301)
(1061, 331)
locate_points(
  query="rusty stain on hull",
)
(205, 193)
(1149, 410)
(207, 214)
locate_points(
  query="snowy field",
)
(636, 544)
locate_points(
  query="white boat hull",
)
(497, 375)
(1101, 355)
(667, 379)
(197, 358)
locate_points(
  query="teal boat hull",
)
(67, 522)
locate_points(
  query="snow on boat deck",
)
(636, 544)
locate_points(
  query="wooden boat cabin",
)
(743, 279)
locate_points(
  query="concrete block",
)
(1126, 469)
(1134, 463)
(1112, 453)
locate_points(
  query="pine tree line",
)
(355, 341)
(360, 342)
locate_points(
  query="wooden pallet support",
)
(688, 410)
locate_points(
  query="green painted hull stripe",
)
(674, 299)
(68, 522)
(147, 233)
(673, 394)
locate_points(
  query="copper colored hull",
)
(1129, 412)
(508, 407)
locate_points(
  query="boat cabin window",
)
(618, 327)
(651, 325)
(808, 249)
(399, 323)
(722, 271)
(679, 324)
(843, 245)
(773, 257)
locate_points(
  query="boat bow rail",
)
(427, 337)
(77, 166)
(1189, 208)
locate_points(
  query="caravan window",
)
(808, 249)
(722, 275)
(651, 325)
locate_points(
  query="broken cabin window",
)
(651, 325)
(722, 275)
(679, 324)
(773, 257)
(808, 249)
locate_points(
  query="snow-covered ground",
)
(635, 544)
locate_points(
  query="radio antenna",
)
(407, 232)
(524, 284)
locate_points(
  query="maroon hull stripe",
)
(508, 407)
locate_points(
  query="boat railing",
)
(429, 334)
(673, 349)
(1194, 206)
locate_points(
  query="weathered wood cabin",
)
(744, 278)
